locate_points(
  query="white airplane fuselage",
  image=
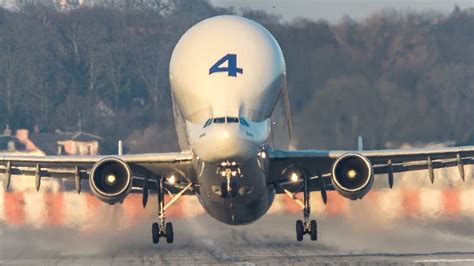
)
(226, 74)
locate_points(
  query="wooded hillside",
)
(393, 77)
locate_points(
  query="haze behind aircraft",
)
(226, 75)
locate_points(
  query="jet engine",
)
(352, 175)
(111, 180)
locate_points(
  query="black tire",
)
(314, 230)
(299, 230)
(155, 232)
(233, 187)
(169, 233)
(224, 190)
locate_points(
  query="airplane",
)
(226, 75)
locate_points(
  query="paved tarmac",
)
(269, 241)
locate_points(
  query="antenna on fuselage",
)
(360, 143)
(120, 147)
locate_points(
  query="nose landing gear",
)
(229, 170)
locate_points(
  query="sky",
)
(334, 10)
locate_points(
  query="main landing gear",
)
(162, 229)
(305, 226)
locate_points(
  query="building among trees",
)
(56, 143)
(396, 76)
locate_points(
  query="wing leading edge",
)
(318, 162)
(150, 166)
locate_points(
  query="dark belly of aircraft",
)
(248, 198)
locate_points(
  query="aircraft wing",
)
(317, 163)
(151, 166)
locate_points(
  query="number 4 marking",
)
(231, 68)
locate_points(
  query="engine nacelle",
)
(352, 175)
(111, 180)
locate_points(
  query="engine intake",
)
(352, 175)
(111, 180)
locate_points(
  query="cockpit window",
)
(232, 120)
(219, 120)
(229, 119)
(208, 122)
(243, 122)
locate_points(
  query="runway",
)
(420, 224)
(270, 241)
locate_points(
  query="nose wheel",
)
(229, 189)
(229, 170)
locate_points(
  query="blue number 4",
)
(231, 68)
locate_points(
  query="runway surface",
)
(415, 223)
(271, 240)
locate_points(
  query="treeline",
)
(395, 76)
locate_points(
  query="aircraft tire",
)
(233, 186)
(314, 230)
(299, 230)
(223, 190)
(155, 232)
(169, 233)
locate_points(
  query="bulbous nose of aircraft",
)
(225, 142)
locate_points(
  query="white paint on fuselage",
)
(228, 141)
(251, 95)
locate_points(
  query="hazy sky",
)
(333, 10)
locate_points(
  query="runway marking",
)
(444, 260)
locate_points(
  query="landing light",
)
(172, 179)
(351, 173)
(262, 154)
(294, 177)
(110, 179)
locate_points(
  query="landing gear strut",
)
(162, 228)
(309, 227)
(306, 226)
(229, 170)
